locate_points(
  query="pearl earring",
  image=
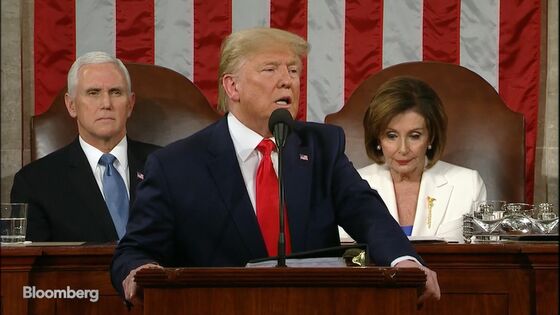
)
(429, 147)
(378, 147)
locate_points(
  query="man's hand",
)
(431, 290)
(131, 290)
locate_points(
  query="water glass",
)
(14, 223)
(489, 210)
(519, 208)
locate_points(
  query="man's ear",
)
(229, 83)
(131, 103)
(70, 105)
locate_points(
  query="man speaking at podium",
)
(210, 200)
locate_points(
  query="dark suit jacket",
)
(192, 209)
(65, 203)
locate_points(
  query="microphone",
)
(279, 124)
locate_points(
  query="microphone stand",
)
(279, 124)
(281, 236)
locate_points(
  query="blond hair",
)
(239, 46)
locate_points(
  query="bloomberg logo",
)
(68, 293)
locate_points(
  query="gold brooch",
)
(430, 206)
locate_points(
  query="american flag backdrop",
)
(350, 40)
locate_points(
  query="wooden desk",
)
(492, 279)
(49, 268)
(500, 278)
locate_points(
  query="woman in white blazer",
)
(405, 132)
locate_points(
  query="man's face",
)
(266, 80)
(101, 104)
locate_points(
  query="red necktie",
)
(267, 200)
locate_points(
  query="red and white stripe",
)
(499, 40)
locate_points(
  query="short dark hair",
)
(394, 97)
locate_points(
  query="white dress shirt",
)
(121, 163)
(245, 142)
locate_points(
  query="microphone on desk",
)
(279, 124)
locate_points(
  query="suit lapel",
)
(92, 205)
(135, 169)
(386, 189)
(223, 161)
(297, 171)
(434, 190)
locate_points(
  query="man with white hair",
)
(82, 192)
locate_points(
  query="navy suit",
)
(192, 209)
(65, 203)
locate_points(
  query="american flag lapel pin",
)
(140, 176)
(303, 157)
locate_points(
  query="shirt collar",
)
(244, 139)
(93, 154)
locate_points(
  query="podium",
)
(352, 290)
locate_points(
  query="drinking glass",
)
(489, 210)
(547, 218)
(13, 223)
(519, 218)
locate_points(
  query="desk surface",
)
(422, 247)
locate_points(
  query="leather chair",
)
(168, 107)
(483, 133)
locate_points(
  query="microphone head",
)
(280, 116)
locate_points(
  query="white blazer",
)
(451, 188)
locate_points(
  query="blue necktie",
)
(115, 193)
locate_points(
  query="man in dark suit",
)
(65, 189)
(199, 204)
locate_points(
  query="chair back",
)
(482, 134)
(168, 107)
